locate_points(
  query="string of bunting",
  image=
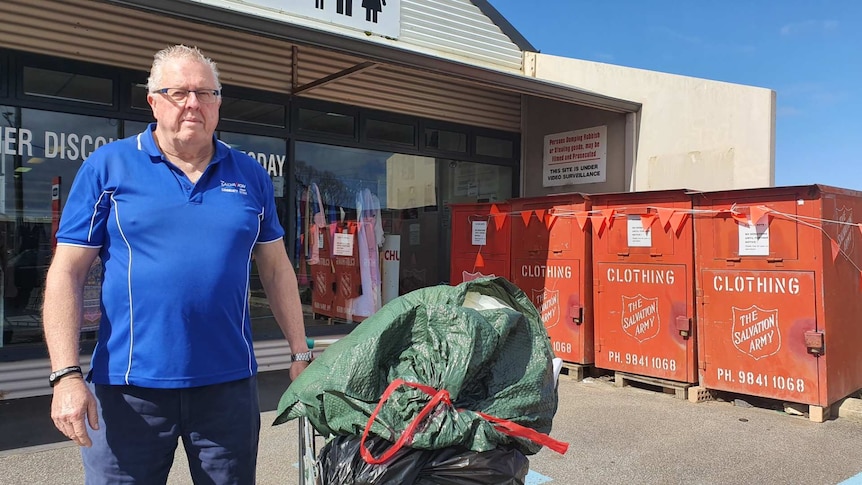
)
(668, 217)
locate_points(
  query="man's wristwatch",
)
(55, 376)
(301, 357)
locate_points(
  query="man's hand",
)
(72, 403)
(296, 368)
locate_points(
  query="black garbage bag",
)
(340, 463)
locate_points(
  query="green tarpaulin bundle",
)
(482, 341)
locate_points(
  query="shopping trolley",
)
(308, 436)
(307, 452)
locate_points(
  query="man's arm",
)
(282, 291)
(61, 316)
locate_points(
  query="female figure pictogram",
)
(372, 8)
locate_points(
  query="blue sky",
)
(809, 53)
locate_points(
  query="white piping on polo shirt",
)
(245, 305)
(96, 211)
(129, 285)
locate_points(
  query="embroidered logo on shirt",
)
(234, 187)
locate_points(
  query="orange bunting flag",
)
(860, 227)
(480, 261)
(525, 215)
(499, 217)
(677, 220)
(550, 219)
(598, 222)
(646, 221)
(664, 215)
(758, 212)
(583, 217)
(835, 249)
(609, 216)
(740, 217)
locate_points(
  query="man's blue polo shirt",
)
(176, 256)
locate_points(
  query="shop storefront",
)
(364, 168)
(402, 173)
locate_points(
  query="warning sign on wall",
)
(575, 157)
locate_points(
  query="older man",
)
(175, 216)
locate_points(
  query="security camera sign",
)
(575, 157)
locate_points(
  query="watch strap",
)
(301, 357)
(55, 376)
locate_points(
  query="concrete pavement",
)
(616, 435)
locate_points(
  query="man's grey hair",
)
(174, 53)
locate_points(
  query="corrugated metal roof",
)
(450, 29)
(457, 29)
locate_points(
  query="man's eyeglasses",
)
(179, 95)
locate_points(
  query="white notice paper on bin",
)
(480, 233)
(638, 237)
(754, 240)
(343, 244)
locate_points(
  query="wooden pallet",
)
(817, 414)
(678, 389)
(574, 371)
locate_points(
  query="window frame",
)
(367, 115)
(68, 66)
(249, 94)
(500, 135)
(444, 126)
(322, 136)
(5, 74)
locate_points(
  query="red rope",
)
(502, 425)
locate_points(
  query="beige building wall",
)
(691, 133)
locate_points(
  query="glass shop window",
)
(327, 122)
(41, 152)
(67, 86)
(139, 97)
(254, 112)
(495, 147)
(372, 225)
(389, 132)
(450, 141)
(271, 154)
(358, 210)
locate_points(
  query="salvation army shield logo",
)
(846, 228)
(640, 317)
(346, 282)
(755, 331)
(320, 282)
(548, 303)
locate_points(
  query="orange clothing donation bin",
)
(643, 262)
(481, 241)
(551, 264)
(780, 294)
